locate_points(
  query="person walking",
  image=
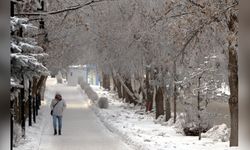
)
(57, 106)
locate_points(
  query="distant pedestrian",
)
(57, 107)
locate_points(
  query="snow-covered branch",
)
(70, 8)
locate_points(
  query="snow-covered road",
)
(82, 129)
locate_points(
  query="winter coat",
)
(59, 108)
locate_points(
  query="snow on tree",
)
(199, 86)
(150, 46)
(26, 64)
(24, 51)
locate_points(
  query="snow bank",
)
(218, 133)
(179, 124)
(17, 136)
(33, 133)
(89, 91)
(140, 130)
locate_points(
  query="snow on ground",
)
(142, 131)
(33, 133)
(218, 133)
(82, 129)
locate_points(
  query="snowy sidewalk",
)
(82, 129)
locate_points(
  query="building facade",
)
(87, 73)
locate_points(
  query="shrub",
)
(193, 129)
(191, 125)
(89, 91)
(103, 103)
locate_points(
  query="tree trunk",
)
(174, 99)
(22, 103)
(175, 92)
(233, 77)
(233, 100)
(40, 83)
(43, 87)
(30, 105)
(118, 84)
(199, 108)
(37, 104)
(149, 93)
(129, 98)
(114, 83)
(34, 88)
(159, 102)
(119, 88)
(11, 123)
(103, 81)
(106, 81)
(123, 92)
(142, 92)
(167, 105)
(127, 88)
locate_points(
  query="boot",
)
(55, 132)
(60, 132)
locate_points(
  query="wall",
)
(74, 74)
